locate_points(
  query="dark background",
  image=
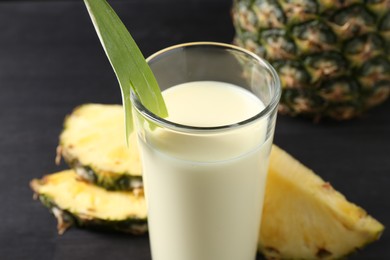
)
(51, 61)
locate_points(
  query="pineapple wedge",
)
(75, 202)
(305, 218)
(93, 144)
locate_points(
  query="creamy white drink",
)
(205, 189)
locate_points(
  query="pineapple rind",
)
(106, 179)
(76, 203)
(305, 218)
(93, 143)
(295, 31)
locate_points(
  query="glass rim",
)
(169, 124)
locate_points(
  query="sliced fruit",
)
(74, 202)
(305, 218)
(93, 143)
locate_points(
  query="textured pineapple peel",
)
(332, 56)
(305, 218)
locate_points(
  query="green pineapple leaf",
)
(126, 59)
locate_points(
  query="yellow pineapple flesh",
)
(75, 202)
(93, 144)
(305, 218)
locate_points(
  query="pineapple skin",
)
(333, 57)
(304, 217)
(85, 216)
(108, 180)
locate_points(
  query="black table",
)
(52, 61)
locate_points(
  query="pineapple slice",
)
(93, 144)
(305, 218)
(74, 202)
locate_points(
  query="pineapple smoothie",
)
(205, 188)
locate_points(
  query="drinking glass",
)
(204, 186)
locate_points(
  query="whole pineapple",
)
(333, 56)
